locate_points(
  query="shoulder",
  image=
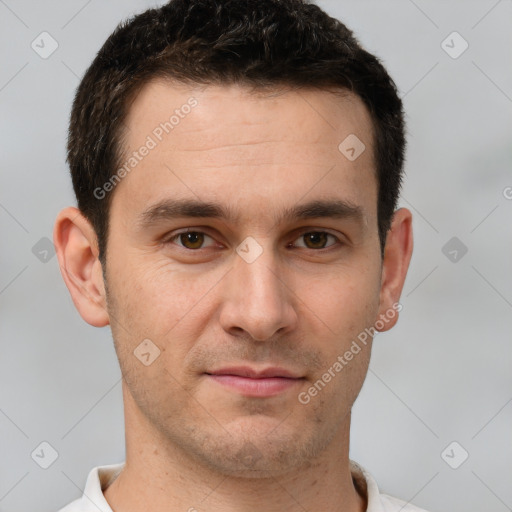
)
(93, 499)
(378, 501)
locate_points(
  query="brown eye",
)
(316, 239)
(191, 239)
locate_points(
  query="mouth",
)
(256, 383)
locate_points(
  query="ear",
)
(397, 255)
(77, 250)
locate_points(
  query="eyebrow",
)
(178, 208)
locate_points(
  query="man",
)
(237, 165)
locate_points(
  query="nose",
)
(258, 300)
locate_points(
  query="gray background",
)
(443, 374)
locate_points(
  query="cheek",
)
(152, 306)
(157, 296)
(170, 307)
(345, 303)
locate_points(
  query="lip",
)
(255, 383)
(247, 371)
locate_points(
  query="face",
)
(244, 240)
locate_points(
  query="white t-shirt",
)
(101, 477)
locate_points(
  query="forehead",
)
(309, 113)
(228, 143)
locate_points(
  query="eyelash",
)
(176, 236)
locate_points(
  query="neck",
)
(159, 476)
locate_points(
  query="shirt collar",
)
(101, 477)
(98, 480)
(366, 485)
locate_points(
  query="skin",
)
(193, 444)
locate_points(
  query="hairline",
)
(253, 87)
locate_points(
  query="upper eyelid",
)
(167, 239)
(300, 232)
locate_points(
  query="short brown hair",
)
(259, 43)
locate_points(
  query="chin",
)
(258, 447)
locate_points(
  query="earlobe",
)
(77, 251)
(397, 256)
